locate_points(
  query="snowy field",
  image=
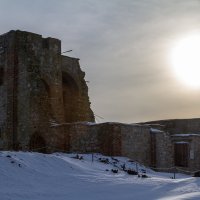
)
(35, 176)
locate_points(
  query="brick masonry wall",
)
(82, 111)
(136, 143)
(3, 91)
(7, 98)
(194, 149)
(112, 139)
(83, 137)
(194, 158)
(176, 126)
(35, 85)
(164, 150)
(32, 95)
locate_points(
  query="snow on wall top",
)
(185, 135)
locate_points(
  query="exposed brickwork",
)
(136, 143)
(114, 139)
(194, 149)
(39, 87)
(148, 146)
(176, 126)
(164, 150)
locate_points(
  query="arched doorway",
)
(37, 143)
(181, 154)
(70, 98)
(45, 99)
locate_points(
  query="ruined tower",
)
(38, 87)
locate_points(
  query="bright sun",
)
(185, 59)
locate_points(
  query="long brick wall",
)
(114, 139)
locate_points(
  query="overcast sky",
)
(124, 48)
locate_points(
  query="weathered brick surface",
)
(40, 87)
(164, 150)
(194, 158)
(177, 130)
(141, 143)
(194, 149)
(176, 126)
(83, 138)
(114, 139)
(136, 143)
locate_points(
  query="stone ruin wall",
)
(164, 151)
(177, 126)
(194, 163)
(7, 70)
(136, 143)
(36, 77)
(112, 139)
(177, 130)
(79, 104)
(194, 150)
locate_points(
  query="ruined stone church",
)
(38, 87)
(44, 107)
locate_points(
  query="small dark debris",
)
(131, 172)
(78, 157)
(123, 167)
(107, 170)
(196, 174)
(19, 165)
(104, 160)
(12, 162)
(144, 176)
(115, 159)
(114, 162)
(8, 156)
(115, 171)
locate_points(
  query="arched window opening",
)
(45, 99)
(37, 143)
(70, 98)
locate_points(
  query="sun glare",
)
(185, 59)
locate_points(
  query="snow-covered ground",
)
(58, 176)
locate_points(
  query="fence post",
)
(174, 172)
(136, 167)
(92, 157)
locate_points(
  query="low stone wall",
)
(176, 126)
(193, 141)
(113, 139)
(136, 143)
(83, 138)
(164, 151)
(194, 153)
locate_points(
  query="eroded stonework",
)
(38, 87)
